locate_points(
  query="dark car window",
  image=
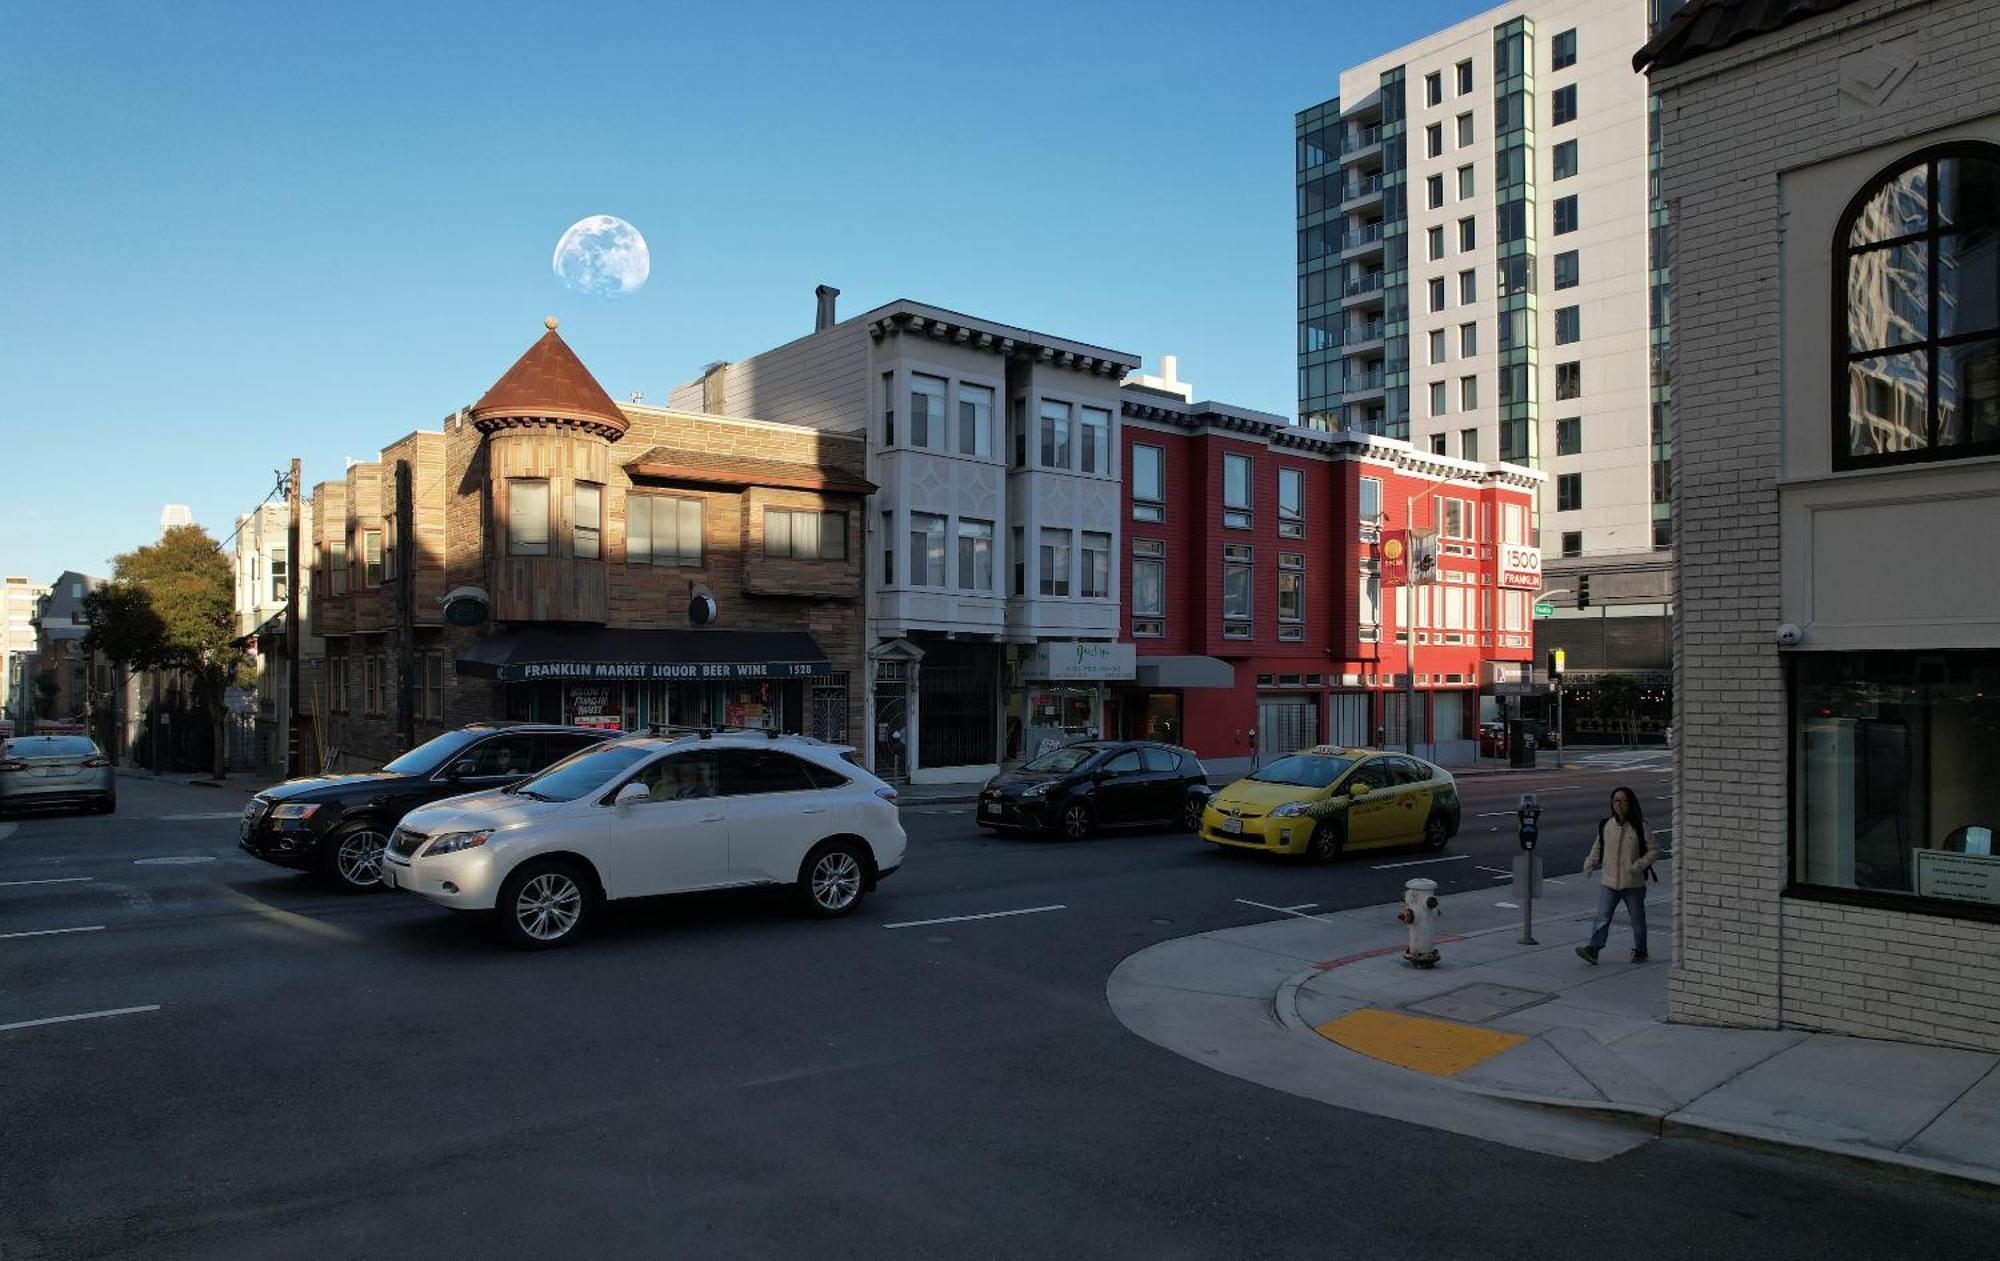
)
(432, 754)
(1160, 759)
(1067, 758)
(49, 746)
(682, 777)
(1410, 771)
(748, 771)
(824, 776)
(512, 754)
(586, 774)
(1305, 770)
(1125, 763)
(1374, 773)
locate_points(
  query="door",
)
(1166, 786)
(1286, 724)
(675, 840)
(1120, 792)
(1413, 798)
(495, 762)
(776, 813)
(1371, 819)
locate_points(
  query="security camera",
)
(1790, 636)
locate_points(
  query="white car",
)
(642, 816)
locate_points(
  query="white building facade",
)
(263, 587)
(18, 598)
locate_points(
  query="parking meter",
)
(1530, 815)
(1528, 865)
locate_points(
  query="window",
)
(336, 682)
(1434, 140)
(1467, 183)
(975, 420)
(1018, 423)
(1510, 224)
(279, 587)
(1918, 352)
(1148, 483)
(1291, 593)
(1565, 157)
(1569, 492)
(1020, 554)
(1369, 501)
(1434, 241)
(1464, 77)
(1434, 191)
(926, 411)
(1437, 345)
(371, 546)
(888, 409)
(336, 568)
(1438, 442)
(1569, 436)
(371, 683)
(662, 530)
(1566, 214)
(1566, 270)
(1368, 605)
(1562, 50)
(1468, 444)
(1149, 586)
(1094, 443)
(803, 534)
(1572, 543)
(1569, 325)
(1569, 379)
(1236, 491)
(587, 520)
(1562, 104)
(1465, 130)
(1437, 293)
(975, 555)
(1468, 340)
(1896, 779)
(1292, 503)
(1439, 404)
(1434, 88)
(926, 549)
(747, 772)
(1468, 395)
(1455, 516)
(1513, 384)
(430, 696)
(1055, 562)
(1094, 568)
(1236, 587)
(1055, 435)
(527, 521)
(889, 547)
(1468, 233)
(1468, 286)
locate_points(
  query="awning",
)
(599, 653)
(1185, 672)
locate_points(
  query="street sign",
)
(1545, 610)
(1520, 689)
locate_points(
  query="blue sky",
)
(238, 234)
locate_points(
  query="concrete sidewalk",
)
(1530, 1046)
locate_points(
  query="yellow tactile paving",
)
(1438, 1047)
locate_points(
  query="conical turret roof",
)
(550, 383)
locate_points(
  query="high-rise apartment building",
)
(1477, 275)
(18, 598)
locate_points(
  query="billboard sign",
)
(1520, 567)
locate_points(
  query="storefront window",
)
(1896, 774)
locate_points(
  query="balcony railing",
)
(1361, 381)
(1364, 187)
(1358, 333)
(1367, 284)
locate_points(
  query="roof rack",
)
(706, 732)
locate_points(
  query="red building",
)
(1252, 587)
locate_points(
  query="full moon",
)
(603, 256)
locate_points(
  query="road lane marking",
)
(51, 932)
(1496, 814)
(10, 884)
(179, 860)
(290, 919)
(1284, 910)
(1303, 906)
(189, 818)
(960, 919)
(83, 1015)
(1418, 862)
(1508, 906)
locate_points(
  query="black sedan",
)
(1090, 784)
(338, 825)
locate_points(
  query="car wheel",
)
(354, 858)
(833, 879)
(1325, 843)
(545, 904)
(1191, 812)
(1435, 832)
(1074, 822)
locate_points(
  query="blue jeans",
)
(1635, 910)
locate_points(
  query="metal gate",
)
(956, 715)
(829, 708)
(1286, 724)
(892, 720)
(1348, 723)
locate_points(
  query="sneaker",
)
(1587, 953)
(1638, 956)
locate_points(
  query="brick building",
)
(562, 557)
(1253, 594)
(1834, 174)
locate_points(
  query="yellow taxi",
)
(1325, 800)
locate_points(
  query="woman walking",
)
(1625, 854)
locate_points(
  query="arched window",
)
(1917, 311)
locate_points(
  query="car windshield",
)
(49, 746)
(432, 754)
(1067, 758)
(1307, 770)
(584, 772)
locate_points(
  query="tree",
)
(169, 606)
(1614, 702)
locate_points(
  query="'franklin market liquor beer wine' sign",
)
(644, 670)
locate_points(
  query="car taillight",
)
(13, 766)
(96, 761)
(886, 793)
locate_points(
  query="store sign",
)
(1965, 877)
(594, 707)
(1521, 567)
(643, 670)
(1056, 661)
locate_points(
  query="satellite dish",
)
(701, 606)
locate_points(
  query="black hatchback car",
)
(1089, 784)
(338, 825)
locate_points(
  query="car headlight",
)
(294, 812)
(1037, 790)
(1290, 809)
(453, 842)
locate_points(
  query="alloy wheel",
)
(836, 880)
(359, 860)
(1191, 814)
(1434, 833)
(549, 906)
(1076, 821)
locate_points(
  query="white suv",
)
(650, 815)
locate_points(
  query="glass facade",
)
(1514, 212)
(1321, 192)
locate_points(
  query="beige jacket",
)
(1622, 854)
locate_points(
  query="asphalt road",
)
(329, 1076)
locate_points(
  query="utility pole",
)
(406, 611)
(294, 580)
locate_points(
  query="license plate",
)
(55, 772)
(388, 876)
(1233, 826)
(243, 829)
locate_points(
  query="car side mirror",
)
(630, 793)
(1358, 790)
(460, 769)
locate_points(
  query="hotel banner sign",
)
(645, 671)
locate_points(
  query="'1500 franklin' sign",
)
(645, 670)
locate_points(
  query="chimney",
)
(825, 318)
(1170, 370)
(714, 388)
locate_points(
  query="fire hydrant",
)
(1420, 911)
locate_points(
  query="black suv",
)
(338, 825)
(1091, 783)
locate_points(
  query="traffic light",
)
(1557, 659)
(1583, 591)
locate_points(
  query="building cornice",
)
(908, 319)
